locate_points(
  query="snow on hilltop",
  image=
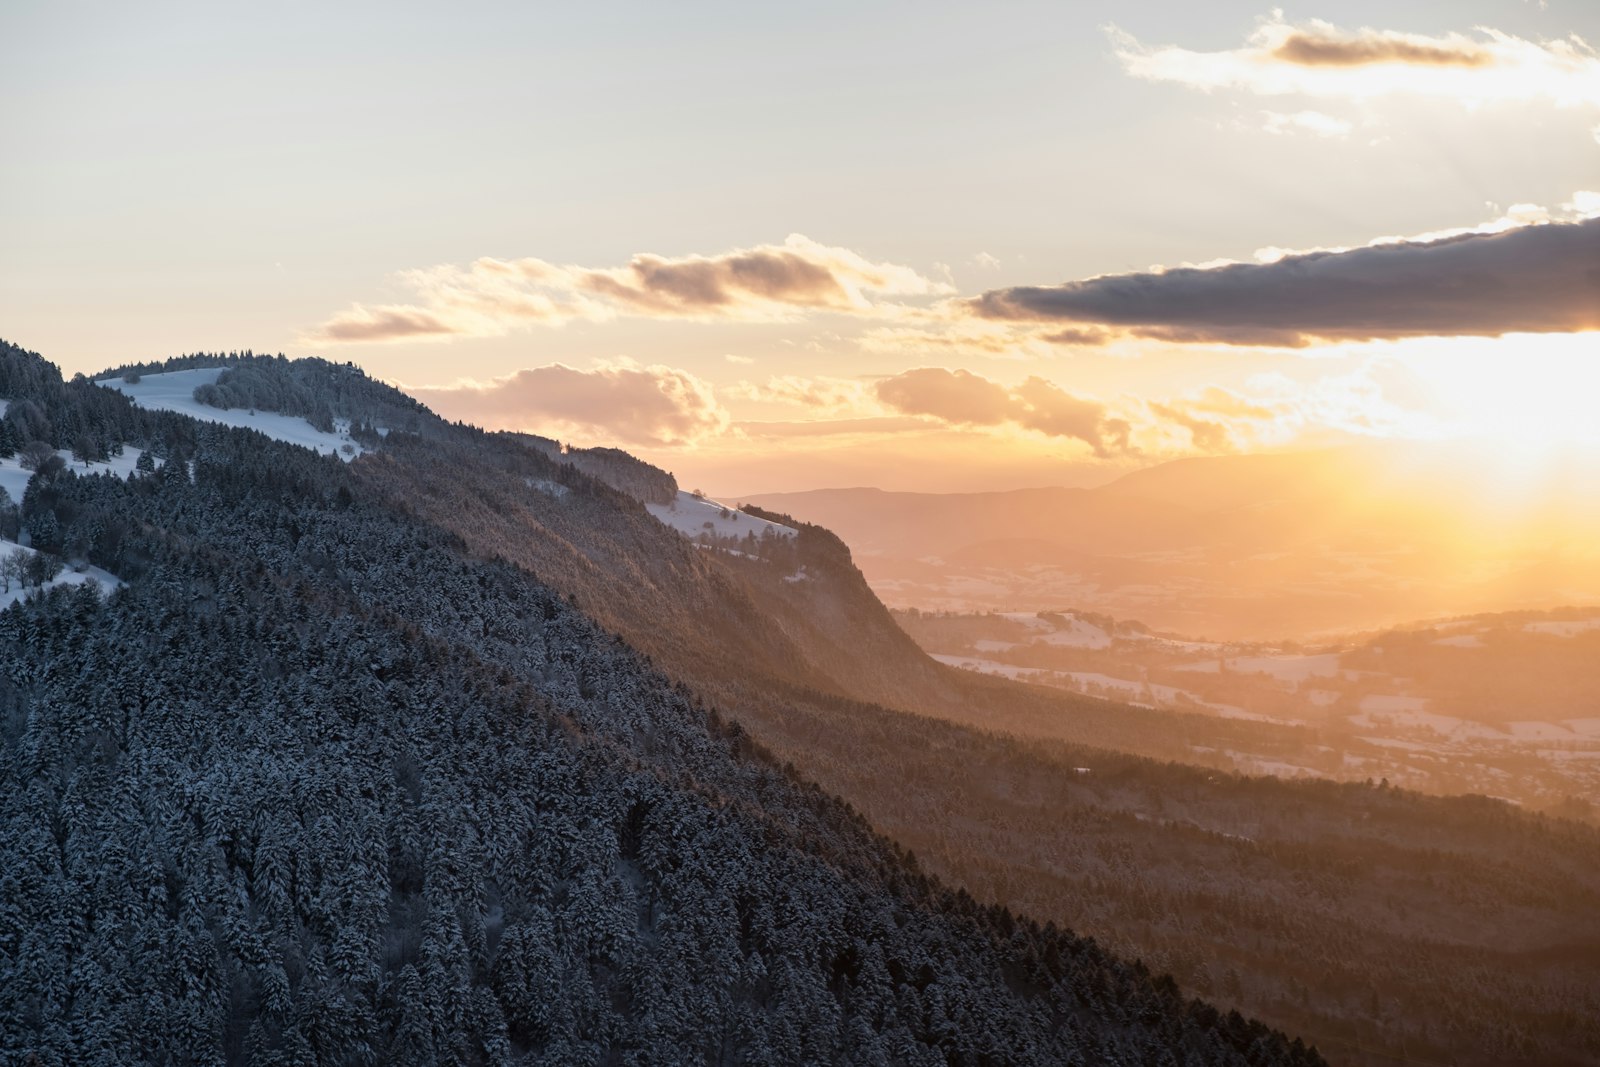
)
(174, 391)
(692, 516)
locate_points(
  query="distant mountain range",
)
(1261, 546)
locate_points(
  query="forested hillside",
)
(323, 784)
(1377, 924)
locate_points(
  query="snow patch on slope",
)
(546, 486)
(14, 479)
(174, 391)
(692, 516)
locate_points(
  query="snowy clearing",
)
(1461, 641)
(107, 581)
(1077, 634)
(1398, 711)
(989, 666)
(1093, 683)
(14, 479)
(1165, 696)
(1563, 628)
(1027, 618)
(1283, 668)
(546, 486)
(692, 516)
(174, 391)
(1392, 704)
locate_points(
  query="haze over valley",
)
(1277, 546)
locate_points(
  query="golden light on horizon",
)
(1532, 395)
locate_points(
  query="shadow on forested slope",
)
(322, 785)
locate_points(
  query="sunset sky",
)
(927, 246)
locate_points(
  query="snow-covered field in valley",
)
(1285, 668)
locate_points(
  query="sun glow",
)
(1531, 394)
(1516, 431)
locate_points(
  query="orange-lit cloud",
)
(647, 405)
(950, 327)
(384, 323)
(1207, 435)
(767, 283)
(818, 393)
(1053, 411)
(1323, 46)
(1220, 420)
(1319, 59)
(1525, 279)
(959, 397)
(949, 395)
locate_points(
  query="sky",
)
(924, 247)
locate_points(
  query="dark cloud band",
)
(1532, 279)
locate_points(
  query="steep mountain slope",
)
(323, 785)
(1145, 856)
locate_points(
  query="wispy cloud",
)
(950, 328)
(960, 397)
(616, 402)
(1312, 122)
(1319, 59)
(1221, 420)
(385, 323)
(820, 393)
(1206, 435)
(766, 283)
